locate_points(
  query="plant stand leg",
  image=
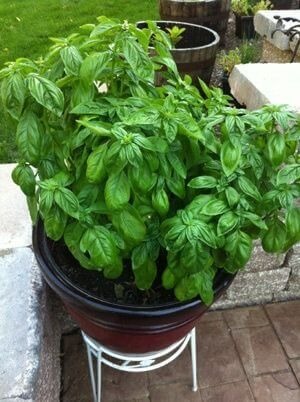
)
(96, 392)
(194, 359)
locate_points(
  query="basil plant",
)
(119, 168)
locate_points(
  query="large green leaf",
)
(214, 207)
(99, 244)
(24, 177)
(72, 60)
(117, 191)
(55, 223)
(288, 174)
(227, 223)
(93, 66)
(13, 92)
(203, 182)
(67, 201)
(230, 156)
(29, 138)
(145, 274)
(249, 188)
(137, 58)
(130, 225)
(46, 93)
(276, 149)
(95, 169)
(274, 239)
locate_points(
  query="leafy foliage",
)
(120, 168)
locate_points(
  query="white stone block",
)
(15, 222)
(265, 24)
(257, 84)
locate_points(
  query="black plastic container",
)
(244, 26)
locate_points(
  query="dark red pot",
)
(132, 329)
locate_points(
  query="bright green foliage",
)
(138, 171)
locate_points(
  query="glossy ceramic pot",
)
(126, 328)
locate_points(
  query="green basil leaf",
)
(227, 223)
(145, 274)
(288, 174)
(99, 244)
(72, 237)
(117, 191)
(276, 149)
(204, 285)
(249, 188)
(205, 233)
(255, 220)
(214, 207)
(29, 138)
(46, 93)
(186, 289)
(130, 225)
(232, 196)
(160, 202)
(55, 223)
(13, 92)
(239, 247)
(72, 60)
(95, 169)
(93, 66)
(177, 164)
(230, 156)
(138, 59)
(168, 279)
(203, 182)
(155, 144)
(67, 201)
(293, 223)
(274, 239)
(176, 185)
(24, 177)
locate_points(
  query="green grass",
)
(26, 25)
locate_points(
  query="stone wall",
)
(266, 278)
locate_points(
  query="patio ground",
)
(244, 354)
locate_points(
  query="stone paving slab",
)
(19, 324)
(15, 222)
(272, 377)
(257, 84)
(29, 335)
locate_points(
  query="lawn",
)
(26, 25)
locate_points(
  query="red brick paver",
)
(249, 354)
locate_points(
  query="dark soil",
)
(122, 291)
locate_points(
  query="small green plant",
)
(175, 34)
(138, 172)
(248, 52)
(250, 7)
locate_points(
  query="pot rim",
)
(56, 279)
(215, 42)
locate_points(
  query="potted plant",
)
(244, 11)
(193, 47)
(212, 14)
(146, 199)
(249, 51)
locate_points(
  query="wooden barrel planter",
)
(195, 53)
(209, 13)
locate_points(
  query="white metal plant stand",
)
(135, 363)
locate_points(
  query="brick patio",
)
(245, 354)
